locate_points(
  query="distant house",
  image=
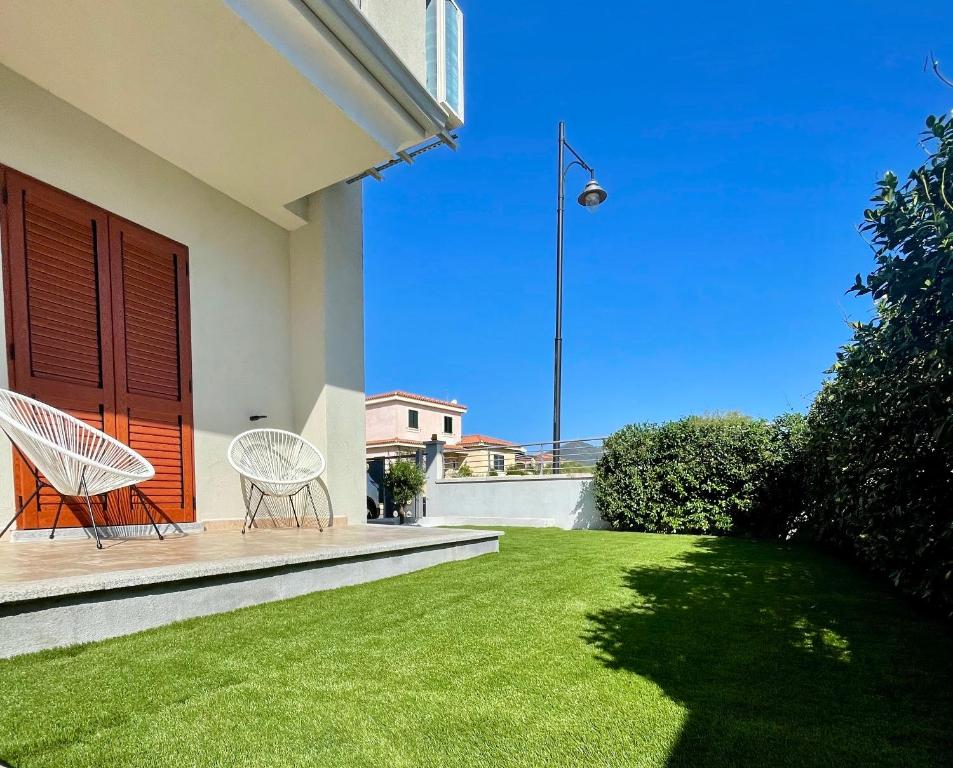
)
(398, 423)
(482, 455)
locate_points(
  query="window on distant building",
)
(499, 462)
(413, 419)
(447, 424)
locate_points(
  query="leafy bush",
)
(781, 482)
(515, 469)
(465, 471)
(702, 474)
(881, 429)
(404, 481)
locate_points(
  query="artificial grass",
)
(566, 649)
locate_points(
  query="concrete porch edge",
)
(70, 611)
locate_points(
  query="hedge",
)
(871, 470)
(881, 429)
(703, 474)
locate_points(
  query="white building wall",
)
(327, 341)
(240, 284)
(542, 502)
(402, 23)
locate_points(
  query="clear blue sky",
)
(739, 143)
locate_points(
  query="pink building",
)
(400, 422)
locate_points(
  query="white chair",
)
(276, 463)
(73, 458)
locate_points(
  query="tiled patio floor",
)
(30, 570)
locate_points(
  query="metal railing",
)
(565, 457)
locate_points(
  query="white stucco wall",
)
(402, 24)
(327, 341)
(543, 502)
(240, 284)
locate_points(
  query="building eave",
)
(408, 398)
(346, 21)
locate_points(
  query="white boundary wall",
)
(541, 502)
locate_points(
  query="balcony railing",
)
(566, 457)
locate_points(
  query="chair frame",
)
(86, 464)
(255, 482)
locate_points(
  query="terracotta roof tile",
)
(397, 440)
(412, 396)
(468, 441)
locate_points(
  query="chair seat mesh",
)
(68, 451)
(280, 463)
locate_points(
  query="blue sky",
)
(739, 143)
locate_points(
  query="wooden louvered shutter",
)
(60, 323)
(150, 303)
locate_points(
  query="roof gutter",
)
(352, 28)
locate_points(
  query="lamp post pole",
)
(558, 351)
(591, 196)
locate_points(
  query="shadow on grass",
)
(781, 656)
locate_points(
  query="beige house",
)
(182, 221)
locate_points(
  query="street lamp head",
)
(592, 196)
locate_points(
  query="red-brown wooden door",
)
(98, 325)
(58, 301)
(150, 300)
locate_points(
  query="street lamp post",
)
(591, 196)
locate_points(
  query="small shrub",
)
(404, 481)
(515, 469)
(465, 471)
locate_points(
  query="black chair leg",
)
(22, 508)
(12, 521)
(56, 518)
(315, 508)
(294, 511)
(251, 522)
(92, 514)
(146, 504)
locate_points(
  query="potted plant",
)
(404, 481)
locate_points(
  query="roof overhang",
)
(420, 402)
(267, 101)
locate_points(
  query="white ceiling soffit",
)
(207, 90)
(365, 78)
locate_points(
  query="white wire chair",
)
(74, 458)
(276, 463)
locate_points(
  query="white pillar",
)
(433, 471)
(327, 341)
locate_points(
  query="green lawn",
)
(566, 649)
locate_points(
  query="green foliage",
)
(881, 429)
(515, 469)
(465, 471)
(404, 481)
(702, 474)
(781, 482)
(573, 467)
